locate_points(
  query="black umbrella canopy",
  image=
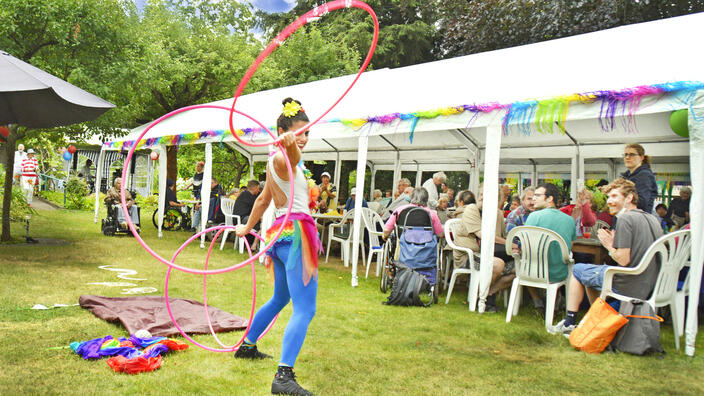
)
(34, 98)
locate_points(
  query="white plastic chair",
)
(674, 250)
(532, 267)
(376, 244)
(345, 243)
(450, 229)
(227, 206)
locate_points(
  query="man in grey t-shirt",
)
(633, 233)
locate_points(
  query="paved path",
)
(41, 204)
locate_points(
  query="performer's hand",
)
(242, 230)
(288, 139)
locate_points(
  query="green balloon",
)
(678, 122)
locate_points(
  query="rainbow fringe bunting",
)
(545, 114)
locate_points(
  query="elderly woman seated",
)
(419, 198)
(469, 235)
(113, 198)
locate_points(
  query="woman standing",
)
(638, 165)
(294, 255)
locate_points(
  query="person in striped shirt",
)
(28, 167)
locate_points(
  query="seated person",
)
(515, 204)
(547, 215)
(633, 234)
(215, 215)
(665, 221)
(403, 199)
(464, 198)
(581, 211)
(469, 234)
(171, 199)
(519, 215)
(349, 205)
(418, 199)
(328, 192)
(443, 202)
(113, 198)
(243, 208)
(679, 208)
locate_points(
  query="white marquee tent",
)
(613, 60)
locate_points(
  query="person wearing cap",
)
(28, 167)
(328, 192)
(350, 201)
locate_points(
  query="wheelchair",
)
(174, 218)
(110, 226)
(418, 254)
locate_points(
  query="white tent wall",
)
(696, 146)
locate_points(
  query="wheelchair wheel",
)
(172, 219)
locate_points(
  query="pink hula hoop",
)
(278, 40)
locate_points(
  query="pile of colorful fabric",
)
(126, 353)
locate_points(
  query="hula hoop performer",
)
(294, 256)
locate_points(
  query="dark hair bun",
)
(288, 100)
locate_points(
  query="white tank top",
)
(300, 194)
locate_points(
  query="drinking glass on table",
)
(587, 232)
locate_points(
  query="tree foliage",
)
(407, 34)
(484, 25)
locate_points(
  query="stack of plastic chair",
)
(227, 206)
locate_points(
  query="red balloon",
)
(72, 149)
(154, 155)
(4, 132)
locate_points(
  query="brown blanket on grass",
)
(149, 313)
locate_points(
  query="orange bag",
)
(598, 327)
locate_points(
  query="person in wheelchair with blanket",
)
(417, 229)
(115, 213)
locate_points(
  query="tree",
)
(485, 25)
(53, 36)
(407, 34)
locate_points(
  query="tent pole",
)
(98, 180)
(372, 183)
(419, 176)
(251, 167)
(162, 185)
(490, 207)
(696, 158)
(357, 225)
(397, 173)
(205, 191)
(573, 178)
(338, 169)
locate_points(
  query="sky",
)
(265, 5)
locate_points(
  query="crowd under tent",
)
(572, 102)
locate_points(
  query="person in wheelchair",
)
(419, 199)
(112, 200)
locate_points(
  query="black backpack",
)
(408, 287)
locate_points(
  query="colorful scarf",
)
(301, 233)
(126, 355)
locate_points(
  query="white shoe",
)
(560, 328)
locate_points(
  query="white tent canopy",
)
(611, 60)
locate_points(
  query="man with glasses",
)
(547, 215)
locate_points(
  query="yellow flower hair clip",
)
(291, 109)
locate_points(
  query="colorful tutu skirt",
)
(301, 234)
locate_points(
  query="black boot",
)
(251, 352)
(285, 383)
(491, 304)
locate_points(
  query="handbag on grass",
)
(641, 335)
(598, 327)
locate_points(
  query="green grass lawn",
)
(355, 345)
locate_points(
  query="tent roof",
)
(614, 59)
